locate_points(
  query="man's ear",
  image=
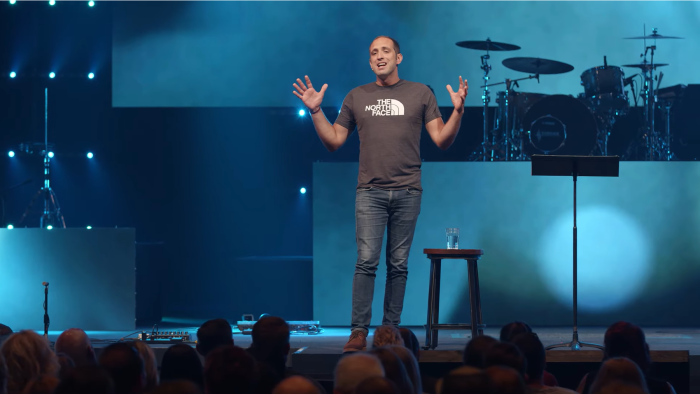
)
(399, 58)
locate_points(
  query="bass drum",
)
(561, 125)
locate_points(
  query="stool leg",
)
(436, 303)
(473, 310)
(431, 296)
(478, 296)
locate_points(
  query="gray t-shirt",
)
(389, 121)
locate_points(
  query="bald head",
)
(353, 369)
(296, 385)
(75, 343)
(506, 380)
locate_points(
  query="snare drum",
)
(604, 89)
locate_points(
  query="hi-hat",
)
(488, 45)
(645, 66)
(535, 65)
(652, 36)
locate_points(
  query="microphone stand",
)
(47, 321)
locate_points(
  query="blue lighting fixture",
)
(13, 1)
(302, 112)
(90, 155)
(52, 2)
(89, 227)
(91, 76)
(49, 227)
(302, 190)
(50, 155)
(91, 3)
(11, 153)
(13, 74)
(10, 227)
(52, 75)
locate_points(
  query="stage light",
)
(302, 190)
(52, 75)
(90, 155)
(89, 227)
(91, 75)
(10, 227)
(91, 3)
(50, 155)
(13, 74)
(52, 2)
(49, 227)
(13, 1)
(11, 153)
(302, 112)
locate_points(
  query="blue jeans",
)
(376, 210)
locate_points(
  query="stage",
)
(675, 351)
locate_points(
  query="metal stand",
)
(47, 321)
(486, 98)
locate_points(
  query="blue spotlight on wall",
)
(91, 75)
(91, 3)
(89, 227)
(13, 74)
(13, 1)
(10, 227)
(52, 75)
(302, 112)
(52, 2)
(49, 227)
(50, 155)
(90, 155)
(302, 190)
(11, 153)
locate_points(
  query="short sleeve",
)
(346, 117)
(430, 107)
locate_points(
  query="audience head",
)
(86, 380)
(411, 365)
(506, 355)
(28, 357)
(354, 368)
(532, 349)
(45, 384)
(387, 335)
(75, 343)
(624, 339)
(296, 385)
(511, 330)
(177, 387)
(5, 332)
(376, 385)
(124, 364)
(271, 338)
(3, 375)
(410, 341)
(506, 380)
(229, 370)
(212, 334)
(621, 370)
(466, 380)
(394, 369)
(65, 364)
(617, 387)
(181, 362)
(150, 364)
(476, 350)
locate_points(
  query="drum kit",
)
(533, 123)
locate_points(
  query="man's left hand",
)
(460, 95)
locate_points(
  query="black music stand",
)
(575, 166)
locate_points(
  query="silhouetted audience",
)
(476, 349)
(296, 385)
(3, 375)
(177, 387)
(212, 334)
(376, 385)
(75, 343)
(229, 370)
(28, 357)
(124, 364)
(619, 370)
(181, 362)
(410, 364)
(353, 369)
(387, 335)
(466, 381)
(532, 349)
(506, 355)
(510, 331)
(150, 365)
(410, 341)
(506, 380)
(394, 369)
(65, 364)
(86, 380)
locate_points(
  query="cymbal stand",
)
(486, 98)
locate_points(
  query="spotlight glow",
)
(90, 155)
(50, 154)
(302, 112)
(13, 74)
(91, 75)
(302, 190)
(52, 2)
(49, 227)
(13, 1)
(10, 227)
(52, 75)
(11, 153)
(89, 227)
(91, 3)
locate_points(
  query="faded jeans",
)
(376, 210)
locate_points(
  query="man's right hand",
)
(311, 98)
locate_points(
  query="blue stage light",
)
(50, 155)
(302, 190)
(49, 227)
(13, 74)
(91, 75)
(91, 3)
(13, 1)
(89, 227)
(302, 112)
(90, 155)
(10, 227)
(52, 75)
(11, 153)
(52, 2)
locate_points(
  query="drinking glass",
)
(452, 238)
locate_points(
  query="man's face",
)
(383, 57)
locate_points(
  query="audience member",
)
(86, 380)
(229, 370)
(620, 388)
(3, 375)
(510, 331)
(212, 334)
(5, 332)
(476, 382)
(507, 355)
(45, 384)
(353, 369)
(376, 385)
(65, 364)
(75, 343)
(387, 335)
(28, 357)
(506, 380)
(476, 349)
(619, 370)
(532, 349)
(271, 343)
(394, 369)
(411, 342)
(181, 362)
(150, 364)
(125, 365)
(296, 385)
(177, 387)
(411, 365)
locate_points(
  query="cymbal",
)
(535, 65)
(653, 36)
(645, 66)
(488, 45)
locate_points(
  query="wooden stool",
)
(436, 256)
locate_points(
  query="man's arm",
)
(333, 136)
(444, 134)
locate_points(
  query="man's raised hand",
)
(460, 95)
(308, 95)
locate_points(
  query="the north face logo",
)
(388, 107)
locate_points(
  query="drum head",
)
(559, 125)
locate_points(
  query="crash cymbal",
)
(535, 65)
(645, 66)
(653, 36)
(488, 45)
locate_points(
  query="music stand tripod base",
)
(575, 166)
